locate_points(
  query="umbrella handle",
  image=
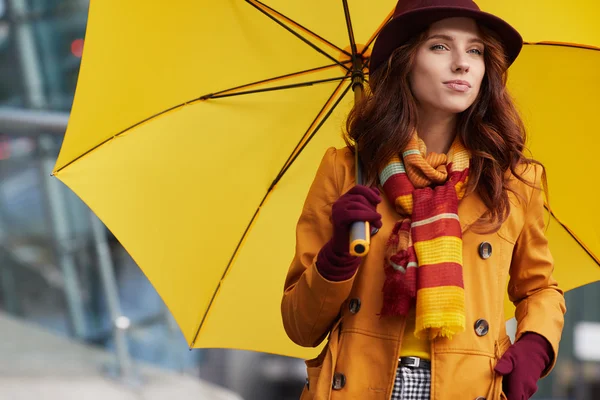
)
(360, 231)
(360, 238)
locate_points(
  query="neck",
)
(437, 129)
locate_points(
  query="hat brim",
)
(400, 29)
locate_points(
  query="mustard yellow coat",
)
(362, 349)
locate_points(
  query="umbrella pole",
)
(360, 232)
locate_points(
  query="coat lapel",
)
(470, 209)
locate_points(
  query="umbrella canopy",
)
(197, 128)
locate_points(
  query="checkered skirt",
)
(412, 384)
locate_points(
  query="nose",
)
(460, 63)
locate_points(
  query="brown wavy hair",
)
(383, 121)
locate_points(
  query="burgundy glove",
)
(334, 261)
(523, 364)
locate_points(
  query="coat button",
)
(339, 381)
(481, 327)
(485, 250)
(354, 306)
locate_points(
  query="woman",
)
(459, 212)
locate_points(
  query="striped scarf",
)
(424, 252)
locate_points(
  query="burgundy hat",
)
(413, 16)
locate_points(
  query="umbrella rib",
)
(287, 28)
(563, 44)
(304, 142)
(229, 264)
(269, 191)
(274, 79)
(376, 33)
(203, 98)
(349, 27)
(572, 234)
(306, 135)
(302, 27)
(271, 89)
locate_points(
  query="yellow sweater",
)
(411, 345)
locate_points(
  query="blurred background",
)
(78, 318)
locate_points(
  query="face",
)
(449, 67)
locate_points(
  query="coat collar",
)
(470, 208)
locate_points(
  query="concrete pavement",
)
(38, 365)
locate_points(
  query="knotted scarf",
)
(424, 252)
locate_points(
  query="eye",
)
(478, 52)
(438, 47)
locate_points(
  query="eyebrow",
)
(451, 38)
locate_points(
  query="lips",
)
(458, 86)
(459, 82)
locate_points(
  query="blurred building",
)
(62, 271)
(53, 272)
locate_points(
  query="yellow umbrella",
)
(197, 128)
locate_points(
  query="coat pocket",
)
(501, 346)
(319, 370)
(312, 380)
(313, 370)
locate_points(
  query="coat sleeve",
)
(311, 303)
(540, 304)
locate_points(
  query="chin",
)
(457, 108)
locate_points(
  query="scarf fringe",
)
(434, 332)
(399, 291)
(400, 286)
